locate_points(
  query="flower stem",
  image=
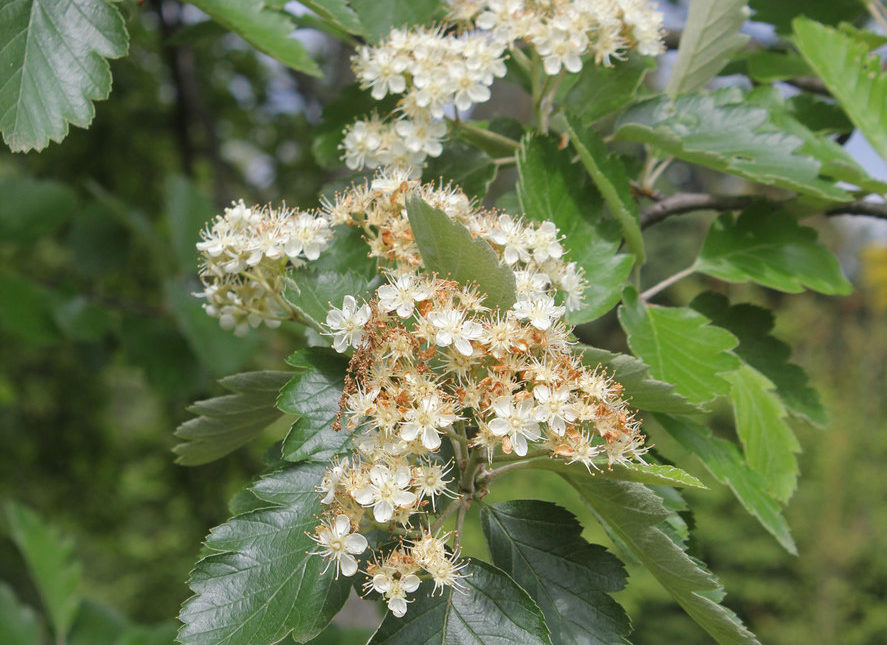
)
(680, 275)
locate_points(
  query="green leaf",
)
(262, 585)
(734, 138)
(19, 624)
(710, 38)
(492, 610)
(448, 249)
(608, 174)
(218, 350)
(314, 393)
(781, 14)
(466, 166)
(653, 474)
(643, 391)
(540, 545)
(52, 66)
(767, 66)
(227, 422)
(267, 30)
(600, 90)
(819, 115)
(766, 353)
(312, 293)
(379, 18)
(851, 73)
(551, 188)
(726, 463)
(770, 445)
(337, 12)
(770, 247)
(52, 564)
(680, 346)
(837, 163)
(32, 210)
(187, 211)
(635, 515)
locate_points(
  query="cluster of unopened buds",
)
(434, 372)
(456, 64)
(245, 254)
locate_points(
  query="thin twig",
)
(680, 203)
(680, 275)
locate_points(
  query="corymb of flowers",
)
(456, 63)
(439, 385)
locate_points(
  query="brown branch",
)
(680, 203)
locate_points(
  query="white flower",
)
(386, 492)
(539, 310)
(515, 237)
(402, 294)
(515, 421)
(430, 481)
(347, 324)
(454, 329)
(425, 419)
(396, 589)
(554, 407)
(383, 72)
(340, 545)
(545, 243)
(310, 236)
(361, 144)
(422, 135)
(331, 479)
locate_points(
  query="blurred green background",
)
(103, 348)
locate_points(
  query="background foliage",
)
(103, 348)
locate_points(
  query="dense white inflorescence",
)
(456, 64)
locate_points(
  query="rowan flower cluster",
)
(456, 64)
(245, 253)
(531, 249)
(433, 363)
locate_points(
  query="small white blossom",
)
(340, 545)
(554, 407)
(347, 324)
(402, 294)
(540, 311)
(515, 421)
(386, 492)
(425, 419)
(454, 329)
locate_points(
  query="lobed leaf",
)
(725, 462)
(52, 66)
(261, 584)
(851, 73)
(764, 352)
(608, 174)
(225, 423)
(554, 189)
(52, 565)
(769, 443)
(314, 393)
(716, 131)
(448, 249)
(266, 29)
(634, 514)
(540, 545)
(492, 610)
(709, 39)
(770, 248)
(680, 346)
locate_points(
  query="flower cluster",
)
(531, 249)
(245, 253)
(433, 69)
(433, 363)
